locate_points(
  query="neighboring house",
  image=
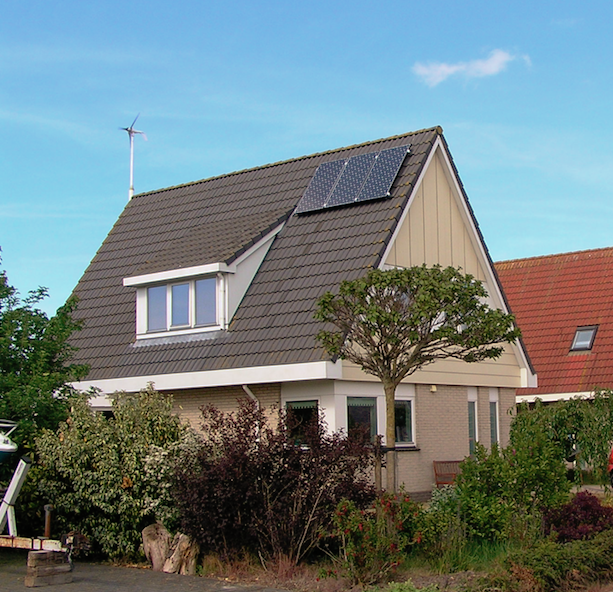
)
(208, 290)
(564, 307)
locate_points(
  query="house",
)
(208, 290)
(564, 307)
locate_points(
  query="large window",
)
(182, 305)
(362, 413)
(404, 422)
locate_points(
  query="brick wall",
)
(187, 403)
(442, 430)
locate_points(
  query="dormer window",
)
(183, 305)
(584, 338)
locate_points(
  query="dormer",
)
(198, 299)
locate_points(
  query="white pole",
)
(131, 190)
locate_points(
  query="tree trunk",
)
(183, 556)
(156, 544)
(390, 435)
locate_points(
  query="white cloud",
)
(434, 73)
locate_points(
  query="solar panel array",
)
(352, 180)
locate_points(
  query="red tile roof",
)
(553, 295)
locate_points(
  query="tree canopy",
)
(392, 323)
(35, 361)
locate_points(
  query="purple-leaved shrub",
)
(249, 487)
(581, 518)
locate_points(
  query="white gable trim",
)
(528, 378)
(227, 377)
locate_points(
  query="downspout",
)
(250, 394)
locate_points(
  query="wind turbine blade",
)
(134, 120)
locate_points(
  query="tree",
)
(392, 323)
(34, 361)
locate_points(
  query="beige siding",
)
(434, 230)
(503, 372)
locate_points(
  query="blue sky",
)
(522, 90)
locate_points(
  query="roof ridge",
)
(436, 128)
(555, 255)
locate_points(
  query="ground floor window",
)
(494, 422)
(404, 422)
(472, 426)
(362, 413)
(301, 414)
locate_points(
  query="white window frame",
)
(411, 400)
(221, 304)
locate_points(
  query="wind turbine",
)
(132, 132)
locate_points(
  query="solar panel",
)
(360, 178)
(383, 173)
(350, 183)
(321, 186)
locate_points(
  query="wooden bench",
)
(445, 471)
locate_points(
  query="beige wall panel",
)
(415, 223)
(431, 215)
(434, 230)
(503, 372)
(187, 403)
(445, 204)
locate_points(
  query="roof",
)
(217, 219)
(551, 297)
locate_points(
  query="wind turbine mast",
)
(132, 132)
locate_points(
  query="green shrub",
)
(555, 566)
(442, 534)
(109, 478)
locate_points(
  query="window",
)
(494, 415)
(404, 422)
(472, 426)
(584, 338)
(301, 414)
(362, 413)
(182, 305)
(494, 422)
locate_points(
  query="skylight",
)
(584, 338)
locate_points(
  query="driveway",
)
(90, 577)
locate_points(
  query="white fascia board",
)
(175, 274)
(214, 378)
(553, 397)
